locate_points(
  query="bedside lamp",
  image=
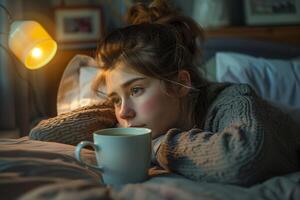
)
(31, 44)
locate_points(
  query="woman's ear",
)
(184, 79)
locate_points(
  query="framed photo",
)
(272, 12)
(78, 24)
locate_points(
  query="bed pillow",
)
(274, 79)
(86, 77)
(75, 86)
(209, 69)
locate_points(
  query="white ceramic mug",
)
(123, 154)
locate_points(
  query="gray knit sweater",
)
(244, 140)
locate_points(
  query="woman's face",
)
(141, 101)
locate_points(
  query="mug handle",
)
(78, 150)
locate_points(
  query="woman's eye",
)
(135, 91)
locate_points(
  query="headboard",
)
(249, 46)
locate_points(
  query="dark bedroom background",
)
(27, 96)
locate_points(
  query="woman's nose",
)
(126, 111)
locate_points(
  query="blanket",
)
(47, 170)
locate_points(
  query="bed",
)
(46, 170)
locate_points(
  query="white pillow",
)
(273, 79)
(86, 77)
(75, 86)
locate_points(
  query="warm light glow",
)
(31, 44)
(46, 48)
(36, 53)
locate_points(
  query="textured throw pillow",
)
(75, 126)
(277, 81)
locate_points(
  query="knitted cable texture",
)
(244, 141)
(75, 126)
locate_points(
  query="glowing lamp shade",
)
(31, 44)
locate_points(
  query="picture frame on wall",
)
(272, 12)
(79, 26)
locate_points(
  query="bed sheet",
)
(45, 170)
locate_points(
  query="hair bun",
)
(141, 13)
(160, 12)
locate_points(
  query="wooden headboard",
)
(282, 34)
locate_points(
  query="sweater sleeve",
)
(75, 126)
(246, 142)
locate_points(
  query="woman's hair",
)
(157, 42)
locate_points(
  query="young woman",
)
(204, 131)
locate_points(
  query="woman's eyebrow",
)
(126, 84)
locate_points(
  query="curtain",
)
(19, 95)
(7, 108)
